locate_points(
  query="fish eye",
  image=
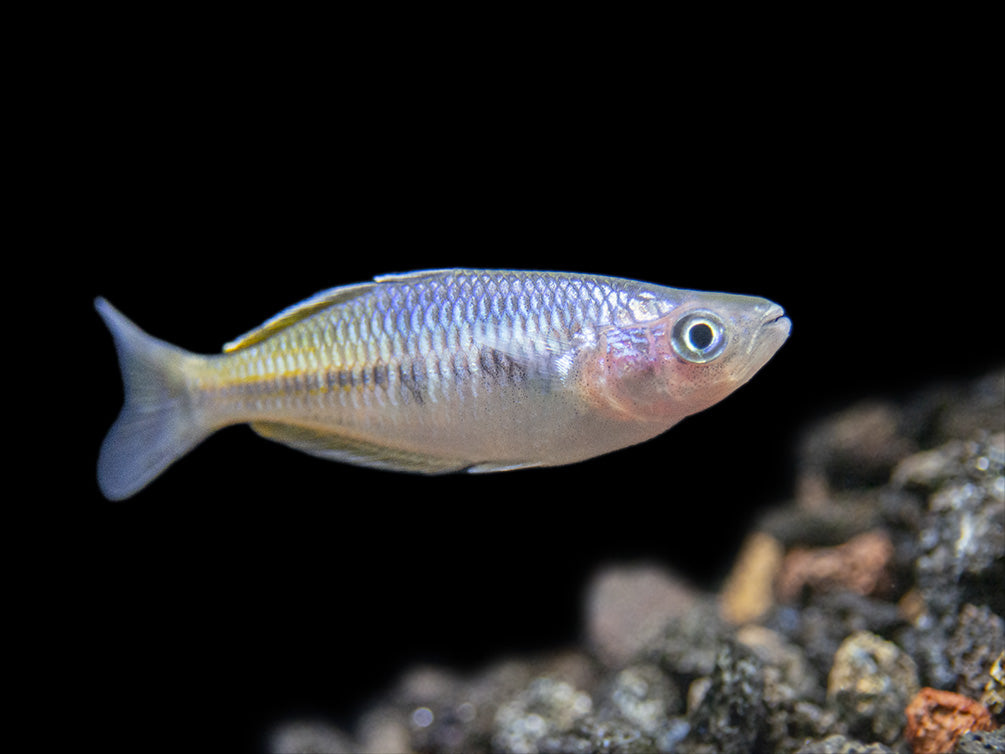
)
(699, 337)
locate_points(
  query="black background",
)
(205, 186)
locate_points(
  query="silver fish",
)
(444, 370)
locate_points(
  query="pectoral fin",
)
(546, 356)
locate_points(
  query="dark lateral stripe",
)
(499, 366)
(411, 376)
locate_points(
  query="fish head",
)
(707, 346)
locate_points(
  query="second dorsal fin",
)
(322, 300)
(298, 312)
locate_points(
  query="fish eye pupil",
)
(700, 335)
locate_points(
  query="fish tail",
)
(158, 423)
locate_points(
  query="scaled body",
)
(443, 371)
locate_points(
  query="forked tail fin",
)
(158, 423)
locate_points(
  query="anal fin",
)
(492, 468)
(334, 446)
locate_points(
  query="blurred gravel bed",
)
(864, 616)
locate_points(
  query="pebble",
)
(628, 606)
(838, 744)
(978, 640)
(936, 719)
(642, 695)
(545, 709)
(749, 590)
(981, 742)
(861, 565)
(994, 690)
(870, 684)
(958, 554)
(731, 714)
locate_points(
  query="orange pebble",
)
(935, 719)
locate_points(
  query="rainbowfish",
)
(444, 370)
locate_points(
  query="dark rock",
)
(641, 695)
(960, 545)
(981, 742)
(784, 657)
(821, 626)
(994, 690)
(790, 719)
(731, 716)
(689, 645)
(978, 640)
(540, 714)
(591, 735)
(829, 521)
(841, 745)
(792, 693)
(856, 448)
(309, 738)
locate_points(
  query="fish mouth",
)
(771, 332)
(773, 314)
(775, 319)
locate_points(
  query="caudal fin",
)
(158, 423)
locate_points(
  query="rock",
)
(861, 565)
(688, 645)
(791, 693)
(840, 745)
(591, 735)
(960, 548)
(820, 626)
(994, 690)
(383, 729)
(928, 470)
(936, 719)
(748, 592)
(304, 737)
(980, 742)
(628, 606)
(775, 651)
(441, 711)
(641, 695)
(731, 715)
(831, 518)
(966, 513)
(869, 685)
(542, 712)
(857, 447)
(978, 639)
(972, 407)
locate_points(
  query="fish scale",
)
(445, 370)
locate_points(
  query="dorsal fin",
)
(298, 312)
(408, 277)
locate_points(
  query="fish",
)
(441, 371)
